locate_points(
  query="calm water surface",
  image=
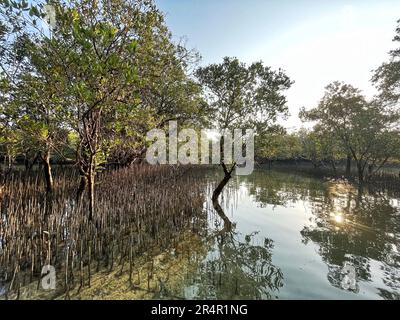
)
(290, 236)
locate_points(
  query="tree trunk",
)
(3, 177)
(2, 183)
(91, 186)
(227, 223)
(29, 163)
(47, 172)
(10, 163)
(370, 171)
(220, 187)
(227, 173)
(81, 188)
(26, 163)
(91, 182)
(315, 162)
(334, 167)
(360, 173)
(222, 184)
(348, 165)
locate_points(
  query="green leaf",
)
(132, 46)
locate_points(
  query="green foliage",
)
(106, 73)
(243, 96)
(387, 76)
(277, 144)
(366, 130)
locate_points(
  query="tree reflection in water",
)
(236, 268)
(355, 228)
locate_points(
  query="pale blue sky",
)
(314, 41)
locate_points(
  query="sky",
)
(315, 41)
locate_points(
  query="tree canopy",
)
(365, 129)
(387, 76)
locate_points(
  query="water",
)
(275, 235)
(291, 236)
